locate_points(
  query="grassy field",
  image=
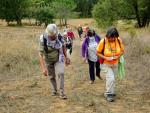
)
(23, 88)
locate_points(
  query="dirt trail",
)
(86, 98)
(31, 94)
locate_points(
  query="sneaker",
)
(63, 96)
(110, 98)
(105, 95)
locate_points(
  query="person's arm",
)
(104, 57)
(83, 50)
(41, 56)
(121, 47)
(42, 64)
(101, 55)
(100, 48)
(73, 36)
(67, 60)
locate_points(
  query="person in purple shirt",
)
(89, 46)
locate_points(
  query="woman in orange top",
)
(109, 50)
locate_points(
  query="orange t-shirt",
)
(111, 49)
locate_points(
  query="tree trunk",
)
(60, 22)
(137, 14)
(19, 22)
(8, 23)
(36, 22)
(65, 21)
(144, 21)
(29, 21)
(46, 23)
(147, 24)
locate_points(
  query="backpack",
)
(68, 41)
(80, 30)
(45, 42)
(51, 54)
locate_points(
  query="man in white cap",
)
(53, 55)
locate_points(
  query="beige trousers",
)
(109, 71)
(56, 71)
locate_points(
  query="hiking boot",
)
(110, 97)
(99, 77)
(91, 82)
(114, 95)
(63, 96)
(54, 93)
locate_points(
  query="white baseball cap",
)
(51, 29)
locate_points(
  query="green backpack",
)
(51, 54)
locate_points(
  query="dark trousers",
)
(92, 66)
(69, 46)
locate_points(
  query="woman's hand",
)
(84, 60)
(109, 58)
(116, 57)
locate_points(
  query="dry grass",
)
(23, 89)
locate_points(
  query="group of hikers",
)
(103, 54)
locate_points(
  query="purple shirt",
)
(85, 43)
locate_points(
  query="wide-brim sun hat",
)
(51, 29)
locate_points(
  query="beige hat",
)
(65, 34)
(51, 29)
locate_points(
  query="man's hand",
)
(67, 61)
(45, 72)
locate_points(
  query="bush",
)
(102, 13)
(44, 15)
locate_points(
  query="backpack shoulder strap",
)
(119, 42)
(59, 37)
(45, 44)
(103, 47)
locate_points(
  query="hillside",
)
(23, 88)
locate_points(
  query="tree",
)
(44, 15)
(108, 11)
(85, 7)
(141, 10)
(42, 11)
(64, 9)
(13, 10)
(104, 12)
